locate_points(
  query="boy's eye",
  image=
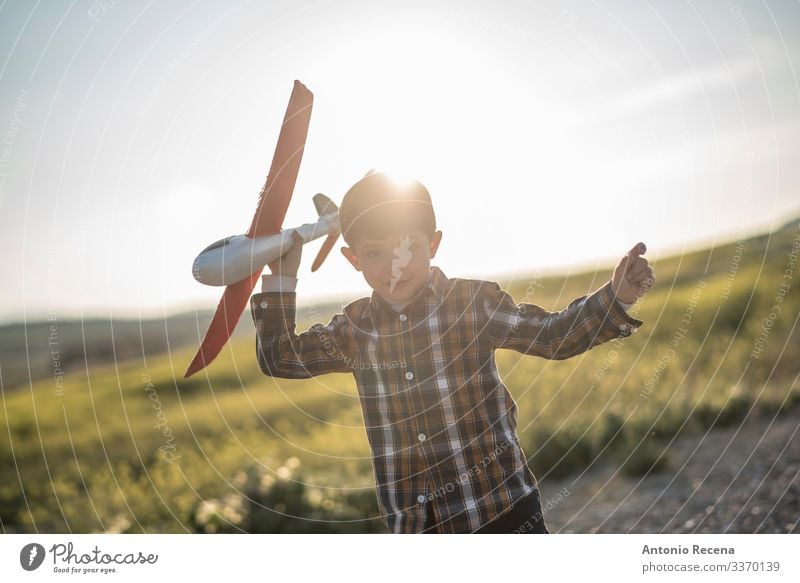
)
(373, 254)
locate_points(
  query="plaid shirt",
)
(440, 423)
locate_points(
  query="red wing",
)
(272, 204)
(324, 250)
(230, 308)
(277, 192)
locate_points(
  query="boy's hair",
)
(377, 207)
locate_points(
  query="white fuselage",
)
(234, 258)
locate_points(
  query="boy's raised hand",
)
(288, 263)
(632, 277)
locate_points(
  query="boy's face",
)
(397, 266)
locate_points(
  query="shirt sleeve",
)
(284, 354)
(527, 328)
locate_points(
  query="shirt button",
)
(420, 498)
(421, 437)
(263, 304)
(409, 375)
(403, 317)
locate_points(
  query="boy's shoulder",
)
(472, 287)
(469, 289)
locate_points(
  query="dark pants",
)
(525, 517)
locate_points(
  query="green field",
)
(133, 447)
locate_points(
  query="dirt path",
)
(741, 479)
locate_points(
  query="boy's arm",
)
(527, 328)
(280, 351)
(588, 320)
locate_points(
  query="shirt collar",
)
(437, 283)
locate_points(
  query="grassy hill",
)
(132, 447)
(25, 347)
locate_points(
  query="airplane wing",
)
(270, 212)
(277, 192)
(330, 241)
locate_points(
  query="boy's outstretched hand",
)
(633, 277)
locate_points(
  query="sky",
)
(551, 135)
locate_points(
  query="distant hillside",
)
(25, 355)
(26, 350)
(726, 257)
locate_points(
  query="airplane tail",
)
(325, 206)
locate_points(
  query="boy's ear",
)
(437, 238)
(347, 252)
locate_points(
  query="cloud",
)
(673, 89)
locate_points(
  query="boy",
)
(440, 423)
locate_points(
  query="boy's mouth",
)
(399, 283)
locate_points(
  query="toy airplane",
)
(234, 258)
(237, 261)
